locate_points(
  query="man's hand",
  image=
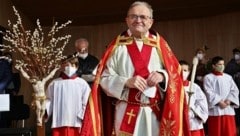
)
(137, 82)
(154, 78)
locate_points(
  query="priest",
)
(141, 72)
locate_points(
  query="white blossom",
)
(40, 56)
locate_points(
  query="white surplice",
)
(198, 106)
(219, 88)
(119, 69)
(66, 101)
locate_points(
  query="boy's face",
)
(185, 71)
(65, 64)
(70, 69)
(220, 63)
(219, 66)
(70, 65)
(185, 68)
(237, 57)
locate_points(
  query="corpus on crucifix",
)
(40, 56)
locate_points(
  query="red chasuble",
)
(92, 123)
(174, 119)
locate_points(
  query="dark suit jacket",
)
(5, 74)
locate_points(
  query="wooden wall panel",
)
(220, 33)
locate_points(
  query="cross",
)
(130, 114)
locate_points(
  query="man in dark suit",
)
(87, 62)
(5, 78)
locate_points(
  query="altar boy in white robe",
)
(198, 107)
(67, 98)
(222, 95)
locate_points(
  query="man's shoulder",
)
(93, 58)
(232, 62)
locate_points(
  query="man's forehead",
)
(139, 9)
(81, 44)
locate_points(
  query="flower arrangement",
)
(40, 55)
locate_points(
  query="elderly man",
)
(142, 73)
(87, 62)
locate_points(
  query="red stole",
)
(140, 62)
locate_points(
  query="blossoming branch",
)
(40, 54)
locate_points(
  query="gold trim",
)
(168, 126)
(181, 113)
(93, 115)
(122, 133)
(129, 40)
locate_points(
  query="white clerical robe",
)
(66, 101)
(221, 87)
(198, 105)
(119, 69)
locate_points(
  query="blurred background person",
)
(5, 79)
(87, 62)
(222, 95)
(14, 86)
(197, 102)
(202, 67)
(233, 69)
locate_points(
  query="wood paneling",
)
(96, 12)
(221, 33)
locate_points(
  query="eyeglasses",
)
(142, 17)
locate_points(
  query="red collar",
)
(185, 83)
(64, 76)
(217, 73)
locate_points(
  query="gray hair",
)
(81, 40)
(142, 3)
